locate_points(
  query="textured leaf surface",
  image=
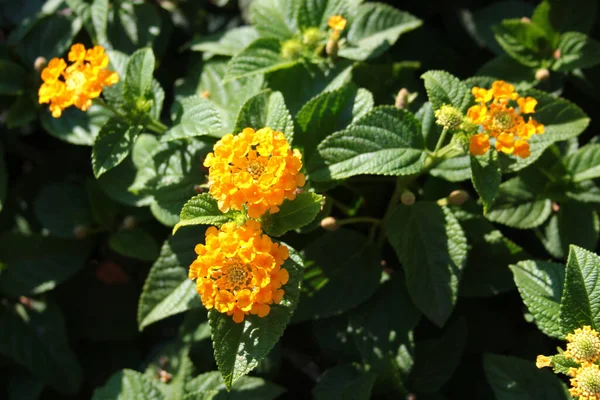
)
(168, 290)
(195, 117)
(239, 347)
(386, 141)
(227, 43)
(245, 388)
(128, 385)
(541, 287)
(444, 88)
(580, 303)
(32, 272)
(512, 378)
(486, 176)
(294, 214)
(376, 28)
(260, 57)
(342, 271)
(432, 247)
(266, 109)
(76, 126)
(344, 382)
(134, 243)
(525, 42)
(138, 80)
(201, 210)
(577, 50)
(274, 18)
(584, 163)
(112, 145)
(36, 339)
(517, 207)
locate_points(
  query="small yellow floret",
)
(81, 81)
(543, 361)
(583, 346)
(255, 169)
(479, 144)
(337, 23)
(239, 271)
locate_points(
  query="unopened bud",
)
(407, 198)
(457, 197)
(164, 376)
(329, 224)
(26, 301)
(555, 207)
(449, 117)
(402, 98)
(525, 20)
(80, 231)
(543, 361)
(332, 47)
(557, 54)
(129, 222)
(312, 36)
(291, 49)
(40, 63)
(205, 94)
(542, 74)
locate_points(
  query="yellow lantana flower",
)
(238, 270)
(255, 169)
(585, 382)
(81, 81)
(583, 346)
(337, 23)
(501, 121)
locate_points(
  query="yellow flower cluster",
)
(583, 347)
(502, 121)
(337, 23)
(238, 271)
(255, 169)
(81, 81)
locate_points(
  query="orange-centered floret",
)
(255, 169)
(78, 83)
(239, 270)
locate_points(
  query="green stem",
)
(441, 140)
(102, 103)
(156, 126)
(357, 220)
(398, 190)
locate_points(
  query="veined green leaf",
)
(580, 303)
(266, 109)
(76, 126)
(128, 385)
(195, 116)
(274, 18)
(260, 57)
(201, 210)
(584, 163)
(227, 43)
(112, 145)
(577, 50)
(432, 248)
(541, 284)
(138, 81)
(386, 141)
(486, 176)
(134, 243)
(13, 78)
(293, 214)
(245, 388)
(444, 88)
(239, 347)
(523, 41)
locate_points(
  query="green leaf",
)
(74, 210)
(76, 126)
(577, 50)
(344, 382)
(562, 120)
(245, 388)
(168, 290)
(486, 176)
(3, 179)
(201, 210)
(138, 79)
(226, 43)
(103, 208)
(524, 41)
(35, 338)
(13, 78)
(541, 284)
(30, 272)
(293, 214)
(455, 169)
(128, 384)
(432, 248)
(580, 303)
(316, 13)
(22, 385)
(274, 18)
(562, 365)
(260, 57)
(266, 109)
(112, 145)
(444, 88)
(386, 141)
(21, 112)
(584, 163)
(329, 112)
(99, 17)
(506, 68)
(516, 206)
(133, 25)
(573, 15)
(375, 29)
(195, 116)
(436, 359)
(174, 358)
(512, 378)
(134, 243)
(239, 347)
(342, 271)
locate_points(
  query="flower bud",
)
(449, 117)
(556, 54)
(312, 36)
(457, 197)
(543, 361)
(332, 47)
(80, 231)
(291, 49)
(39, 64)
(525, 20)
(205, 94)
(402, 98)
(129, 222)
(407, 198)
(329, 224)
(542, 74)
